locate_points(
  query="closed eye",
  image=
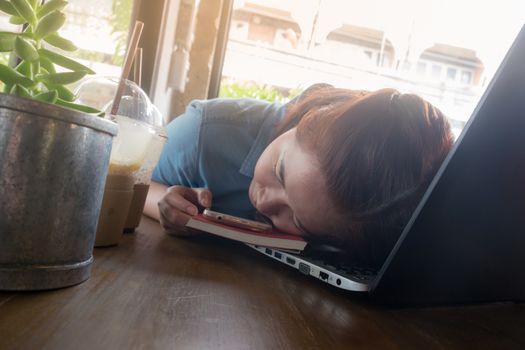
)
(278, 169)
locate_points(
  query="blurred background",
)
(444, 50)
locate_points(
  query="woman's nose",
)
(282, 220)
(271, 200)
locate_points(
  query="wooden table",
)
(155, 291)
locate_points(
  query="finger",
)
(204, 197)
(171, 218)
(189, 200)
(178, 228)
(183, 199)
(177, 231)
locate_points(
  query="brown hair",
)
(378, 152)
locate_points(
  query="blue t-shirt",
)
(216, 144)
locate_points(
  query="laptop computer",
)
(465, 242)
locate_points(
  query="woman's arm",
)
(155, 194)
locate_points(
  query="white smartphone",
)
(236, 221)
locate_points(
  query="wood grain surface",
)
(155, 291)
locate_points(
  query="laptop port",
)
(268, 251)
(277, 255)
(304, 268)
(290, 261)
(323, 276)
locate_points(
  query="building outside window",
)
(442, 50)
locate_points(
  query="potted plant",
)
(54, 155)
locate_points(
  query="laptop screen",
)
(465, 240)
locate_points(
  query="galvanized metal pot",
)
(53, 166)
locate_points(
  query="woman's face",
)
(288, 188)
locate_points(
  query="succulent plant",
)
(32, 71)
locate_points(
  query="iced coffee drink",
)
(127, 157)
(142, 181)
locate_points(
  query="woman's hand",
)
(178, 204)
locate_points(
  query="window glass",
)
(421, 68)
(435, 48)
(436, 72)
(466, 77)
(451, 74)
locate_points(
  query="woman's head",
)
(290, 189)
(356, 163)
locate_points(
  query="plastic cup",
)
(136, 150)
(142, 181)
(128, 154)
(130, 146)
(118, 194)
(140, 192)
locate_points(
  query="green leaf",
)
(17, 20)
(13, 59)
(35, 4)
(36, 67)
(7, 88)
(20, 91)
(27, 34)
(25, 68)
(49, 24)
(25, 50)
(51, 6)
(63, 92)
(7, 41)
(48, 96)
(61, 78)
(81, 108)
(8, 8)
(24, 9)
(47, 64)
(62, 43)
(10, 76)
(65, 62)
